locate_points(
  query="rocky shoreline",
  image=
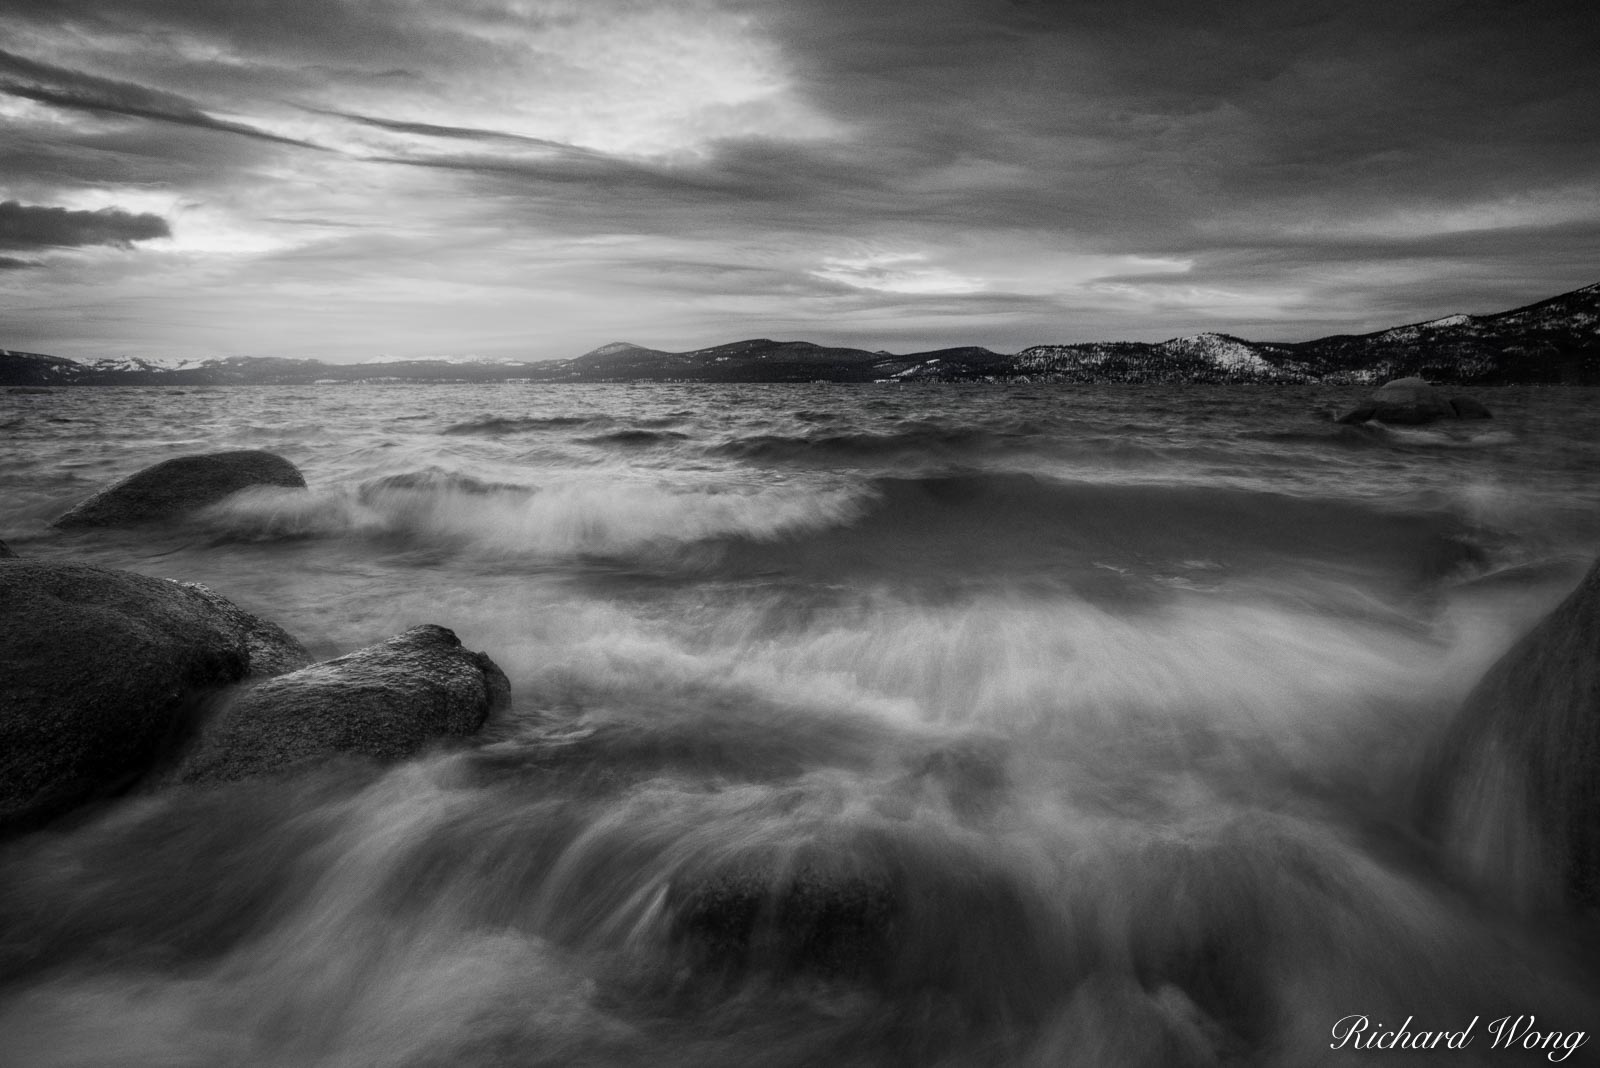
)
(119, 682)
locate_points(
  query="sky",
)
(534, 178)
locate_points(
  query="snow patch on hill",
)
(1414, 331)
(612, 349)
(1220, 350)
(142, 363)
(493, 361)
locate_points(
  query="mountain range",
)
(1553, 341)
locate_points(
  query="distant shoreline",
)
(1552, 342)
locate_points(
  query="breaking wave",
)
(571, 518)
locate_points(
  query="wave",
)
(831, 445)
(1109, 839)
(976, 528)
(937, 533)
(432, 481)
(635, 437)
(1358, 437)
(1446, 437)
(593, 517)
(494, 426)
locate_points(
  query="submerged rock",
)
(175, 487)
(102, 672)
(1413, 401)
(808, 921)
(890, 908)
(388, 701)
(1512, 793)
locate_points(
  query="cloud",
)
(24, 226)
(75, 90)
(11, 263)
(1067, 171)
(896, 272)
(429, 129)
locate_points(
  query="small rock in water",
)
(388, 701)
(1513, 792)
(102, 672)
(1412, 401)
(6, 553)
(173, 488)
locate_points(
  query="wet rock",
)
(103, 670)
(897, 909)
(176, 487)
(1413, 401)
(388, 701)
(1512, 792)
(269, 648)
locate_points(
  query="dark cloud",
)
(24, 226)
(335, 29)
(1156, 130)
(1191, 108)
(75, 90)
(429, 129)
(42, 161)
(754, 184)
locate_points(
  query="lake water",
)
(937, 725)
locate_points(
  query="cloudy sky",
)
(533, 178)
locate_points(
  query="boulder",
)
(1413, 401)
(388, 701)
(176, 487)
(1512, 792)
(103, 670)
(270, 649)
(6, 553)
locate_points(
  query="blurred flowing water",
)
(851, 726)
